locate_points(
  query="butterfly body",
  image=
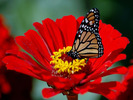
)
(74, 55)
(88, 43)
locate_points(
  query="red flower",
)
(6, 43)
(127, 81)
(77, 78)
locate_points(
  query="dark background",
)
(20, 15)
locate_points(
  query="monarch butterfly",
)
(87, 43)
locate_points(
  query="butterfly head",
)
(74, 55)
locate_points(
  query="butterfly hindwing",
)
(87, 41)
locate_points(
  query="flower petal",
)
(79, 20)
(24, 56)
(116, 70)
(97, 72)
(39, 44)
(107, 28)
(49, 92)
(61, 83)
(54, 33)
(113, 51)
(45, 35)
(30, 48)
(46, 76)
(105, 89)
(68, 26)
(65, 83)
(119, 57)
(14, 63)
(36, 68)
(76, 78)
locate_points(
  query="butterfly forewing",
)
(87, 41)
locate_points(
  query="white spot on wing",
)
(91, 23)
(86, 20)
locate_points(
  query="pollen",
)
(62, 63)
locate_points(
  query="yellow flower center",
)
(65, 64)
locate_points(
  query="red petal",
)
(46, 76)
(130, 73)
(111, 51)
(39, 44)
(58, 22)
(115, 42)
(54, 33)
(119, 57)
(98, 80)
(49, 92)
(116, 35)
(79, 20)
(120, 43)
(105, 89)
(77, 77)
(68, 27)
(45, 35)
(30, 48)
(61, 83)
(37, 69)
(62, 80)
(100, 25)
(101, 69)
(116, 70)
(13, 63)
(109, 94)
(24, 57)
(107, 28)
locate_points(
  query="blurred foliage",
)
(21, 14)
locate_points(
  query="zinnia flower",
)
(127, 81)
(48, 60)
(6, 42)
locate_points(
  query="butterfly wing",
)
(87, 41)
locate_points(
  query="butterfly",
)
(88, 43)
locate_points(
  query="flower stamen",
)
(65, 64)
